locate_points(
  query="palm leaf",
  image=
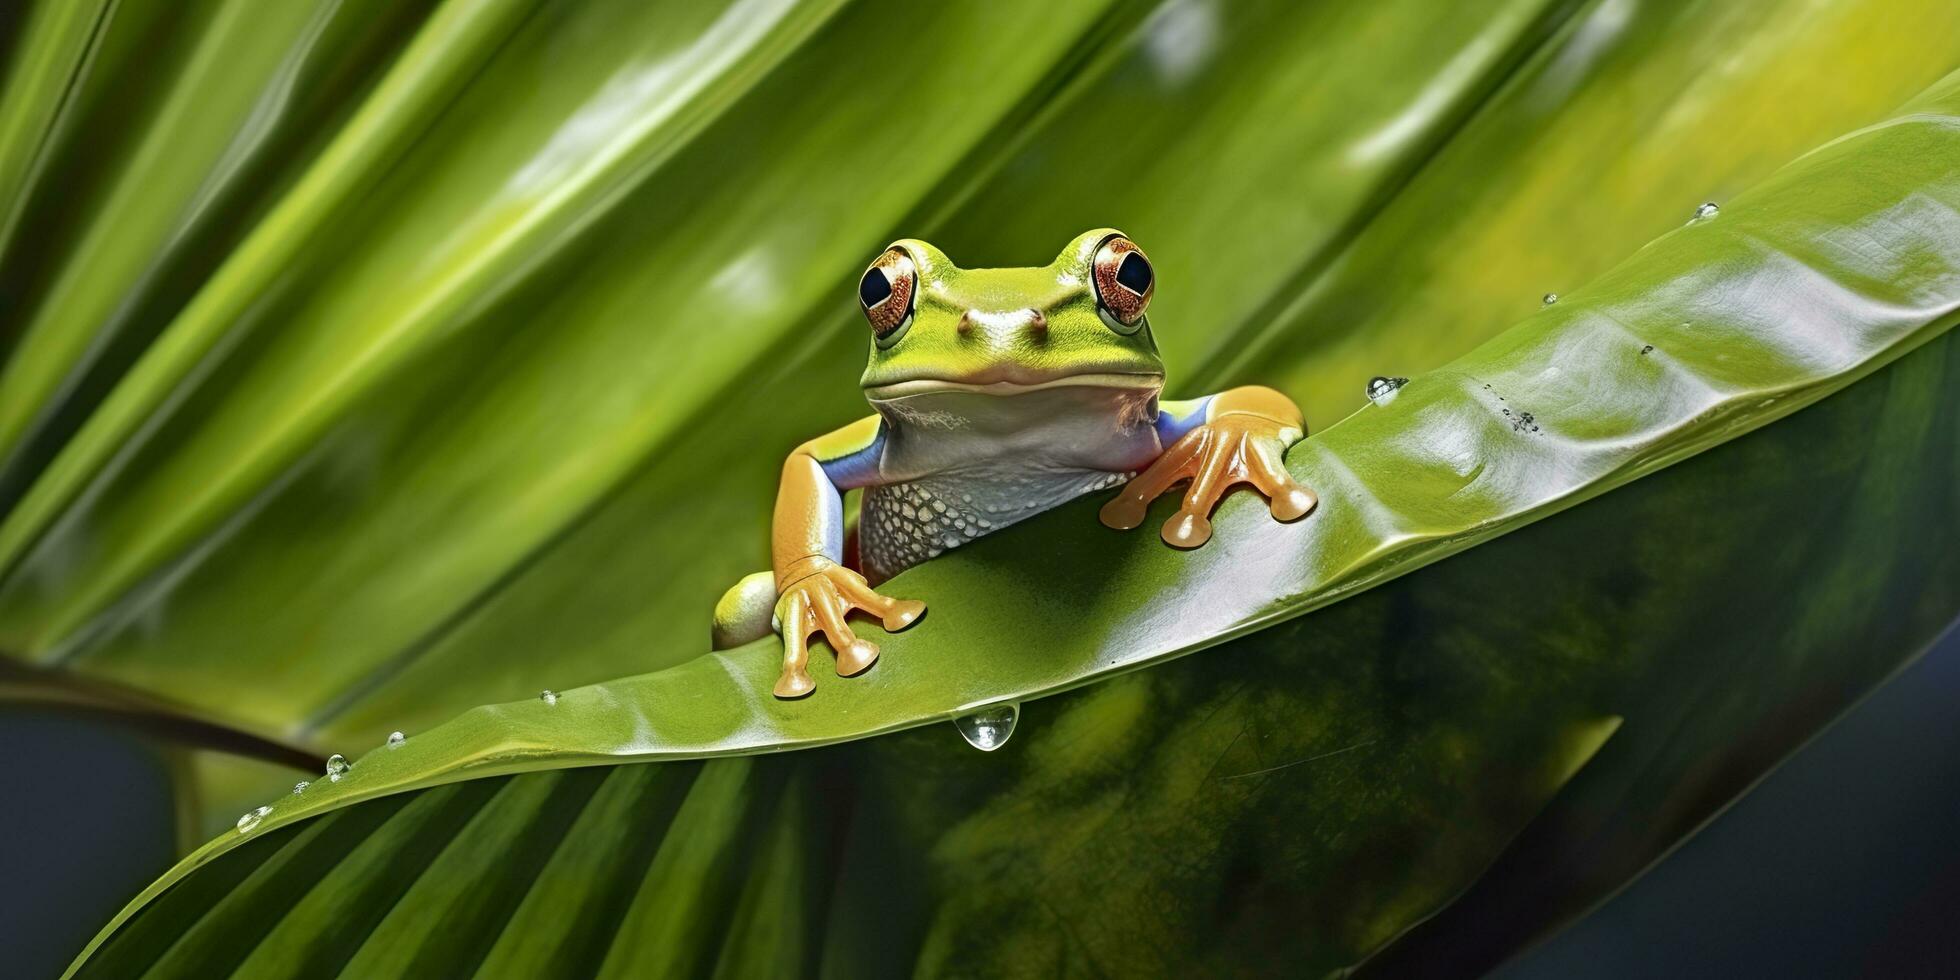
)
(1157, 820)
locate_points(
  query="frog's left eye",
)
(1125, 282)
(886, 294)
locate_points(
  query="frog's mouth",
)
(1013, 384)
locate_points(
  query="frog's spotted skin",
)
(906, 523)
(1000, 393)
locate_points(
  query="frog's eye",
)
(886, 293)
(1124, 284)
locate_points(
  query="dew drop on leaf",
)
(1550, 298)
(300, 787)
(1379, 389)
(1708, 210)
(990, 727)
(251, 820)
(336, 767)
(548, 697)
(395, 740)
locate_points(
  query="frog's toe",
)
(1266, 468)
(1124, 513)
(893, 614)
(794, 684)
(1293, 503)
(856, 657)
(1187, 529)
(1177, 463)
(795, 681)
(902, 613)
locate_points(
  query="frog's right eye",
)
(886, 294)
(1124, 283)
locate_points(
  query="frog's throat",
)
(922, 386)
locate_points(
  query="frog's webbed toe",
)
(1266, 469)
(793, 617)
(893, 614)
(1133, 503)
(1186, 529)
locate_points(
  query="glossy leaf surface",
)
(1159, 820)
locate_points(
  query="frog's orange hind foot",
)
(1235, 448)
(818, 603)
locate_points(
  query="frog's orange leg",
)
(1243, 439)
(815, 592)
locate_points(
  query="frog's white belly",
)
(958, 463)
(903, 524)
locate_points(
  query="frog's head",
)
(1077, 321)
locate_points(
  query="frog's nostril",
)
(1003, 324)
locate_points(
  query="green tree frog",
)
(999, 393)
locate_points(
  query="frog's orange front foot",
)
(817, 602)
(1233, 448)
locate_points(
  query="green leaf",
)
(502, 280)
(1154, 820)
(1300, 795)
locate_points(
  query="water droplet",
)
(990, 727)
(1708, 209)
(250, 820)
(395, 740)
(1381, 388)
(300, 787)
(1550, 298)
(336, 767)
(548, 697)
(1649, 349)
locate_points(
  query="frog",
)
(997, 394)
